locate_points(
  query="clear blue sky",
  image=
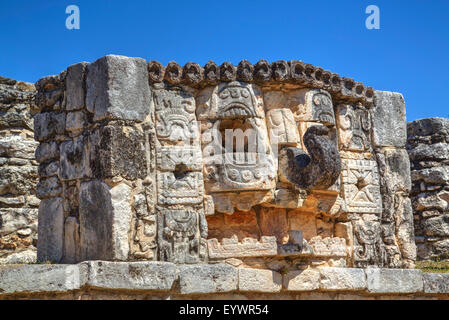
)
(409, 54)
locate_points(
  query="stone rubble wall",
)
(428, 148)
(18, 172)
(164, 280)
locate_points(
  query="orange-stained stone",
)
(241, 219)
(273, 222)
(303, 221)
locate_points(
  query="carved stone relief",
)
(360, 179)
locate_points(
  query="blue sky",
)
(409, 54)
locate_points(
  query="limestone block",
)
(303, 221)
(17, 147)
(48, 169)
(259, 280)
(432, 176)
(361, 190)
(188, 157)
(17, 180)
(117, 88)
(222, 100)
(354, 125)
(438, 200)
(73, 159)
(248, 247)
(22, 257)
(50, 230)
(186, 188)
(433, 152)
(394, 169)
(48, 124)
(146, 275)
(105, 220)
(47, 151)
(436, 226)
(48, 187)
(71, 240)
(436, 282)
(14, 219)
(108, 157)
(273, 222)
(182, 233)
(302, 280)
(342, 279)
(282, 127)
(41, 278)
(207, 278)
(175, 116)
(389, 120)
(312, 105)
(328, 247)
(428, 127)
(75, 85)
(75, 121)
(394, 280)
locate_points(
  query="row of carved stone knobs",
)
(298, 72)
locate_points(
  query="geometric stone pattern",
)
(360, 180)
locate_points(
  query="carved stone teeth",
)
(156, 71)
(173, 73)
(245, 71)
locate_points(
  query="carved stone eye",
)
(224, 94)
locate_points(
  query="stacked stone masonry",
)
(136, 165)
(18, 173)
(168, 281)
(428, 147)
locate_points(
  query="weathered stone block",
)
(132, 275)
(436, 283)
(394, 169)
(73, 159)
(48, 124)
(47, 151)
(105, 220)
(302, 280)
(41, 278)
(48, 187)
(75, 121)
(394, 280)
(432, 176)
(17, 180)
(71, 240)
(14, 219)
(259, 280)
(428, 126)
(75, 86)
(117, 88)
(389, 120)
(17, 147)
(433, 152)
(273, 222)
(108, 157)
(50, 230)
(207, 278)
(342, 279)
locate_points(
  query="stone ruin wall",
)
(117, 184)
(18, 173)
(428, 147)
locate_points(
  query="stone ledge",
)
(214, 279)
